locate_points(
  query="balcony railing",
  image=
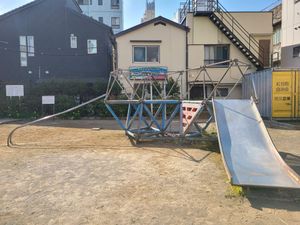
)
(196, 6)
(214, 7)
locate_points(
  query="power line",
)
(272, 5)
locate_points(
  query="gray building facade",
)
(52, 39)
(109, 12)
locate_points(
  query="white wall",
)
(104, 11)
(290, 21)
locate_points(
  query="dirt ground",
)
(64, 172)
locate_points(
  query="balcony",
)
(198, 7)
(227, 24)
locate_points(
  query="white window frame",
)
(84, 2)
(116, 25)
(211, 57)
(277, 37)
(146, 53)
(73, 41)
(296, 52)
(115, 5)
(30, 46)
(92, 46)
(23, 51)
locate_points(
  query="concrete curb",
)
(6, 121)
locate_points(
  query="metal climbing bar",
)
(160, 114)
(10, 136)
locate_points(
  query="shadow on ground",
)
(175, 149)
(292, 160)
(80, 124)
(286, 199)
(283, 125)
(258, 197)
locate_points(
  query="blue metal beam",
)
(115, 116)
(174, 113)
(153, 119)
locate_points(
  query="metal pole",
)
(189, 91)
(9, 139)
(204, 88)
(181, 86)
(151, 96)
(181, 120)
(217, 85)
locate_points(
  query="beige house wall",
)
(172, 42)
(204, 32)
(255, 22)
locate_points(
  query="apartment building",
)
(109, 12)
(149, 12)
(277, 30)
(290, 52)
(217, 35)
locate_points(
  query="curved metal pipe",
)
(9, 138)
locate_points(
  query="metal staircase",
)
(229, 26)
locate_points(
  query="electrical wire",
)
(272, 5)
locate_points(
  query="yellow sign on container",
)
(284, 94)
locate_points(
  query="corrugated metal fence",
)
(262, 80)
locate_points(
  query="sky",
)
(134, 9)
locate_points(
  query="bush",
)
(67, 95)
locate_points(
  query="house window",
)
(73, 41)
(277, 37)
(100, 19)
(92, 46)
(222, 92)
(296, 52)
(30, 46)
(115, 22)
(146, 54)
(23, 51)
(100, 2)
(115, 4)
(26, 49)
(215, 54)
(84, 2)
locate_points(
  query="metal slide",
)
(249, 155)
